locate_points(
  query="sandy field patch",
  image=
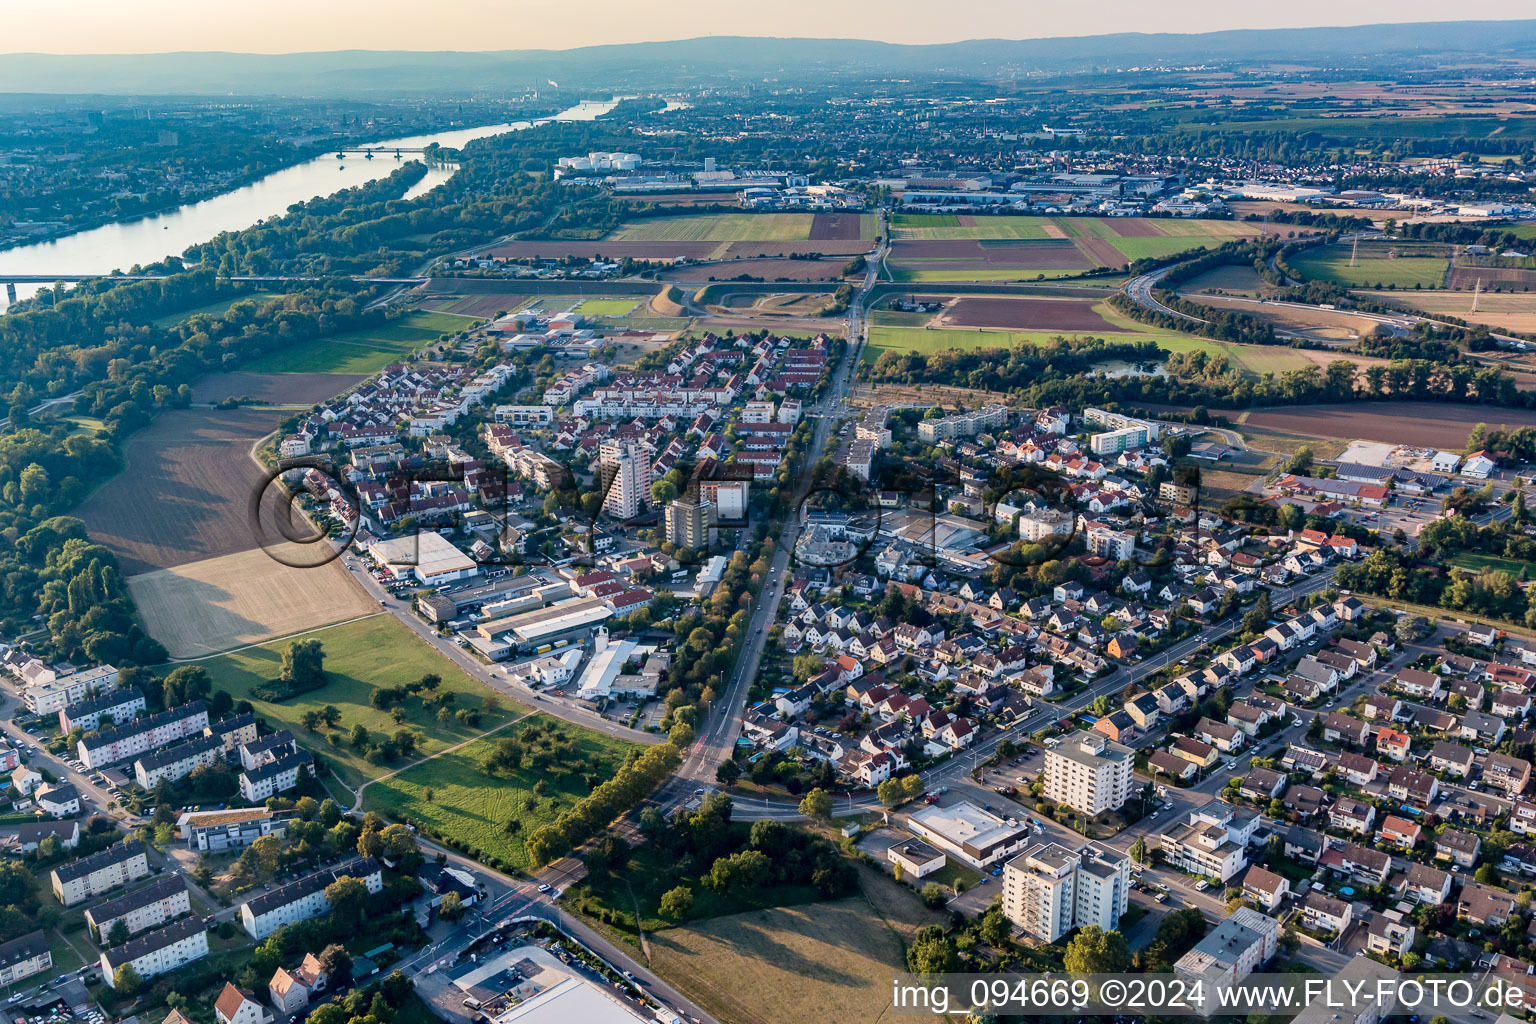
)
(214, 605)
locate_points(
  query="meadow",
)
(362, 352)
(361, 657)
(1332, 263)
(454, 797)
(815, 961)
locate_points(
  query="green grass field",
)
(606, 307)
(361, 352)
(360, 657)
(216, 308)
(474, 807)
(1331, 263)
(719, 227)
(1478, 562)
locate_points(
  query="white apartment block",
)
(1116, 421)
(117, 865)
(1213, 842)
(176, 763)
(142, 909)
(143, 735)
(24, 957)
(1231, 952)
(118, 705)
(964, 424)
(1116, 544)
(56, 694)
(275, 777)
(1038, 525)
(1113, 442)
(158, 952)
(1089, 772)
(524, 415)
(624, 471)
(305, 898)
(1051, 889)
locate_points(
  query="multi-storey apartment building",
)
(158, 951)
(1089, 772)
(1050, 889)
(118, 705)
(1213, 842)
(304, 898)
(53, 692)
(24, 957)
(142, 909)
(143, 735)
(117, 865)
(624, 473)
(177, 762)
(1231, 952)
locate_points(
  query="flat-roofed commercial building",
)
(1050, 889)
(548, 624)
(979, 838)
(426, 556)
(1089, 772)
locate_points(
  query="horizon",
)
(160, 27)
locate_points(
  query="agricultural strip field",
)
(609, 248)
(1331, 263)
(1515, 311)
(1073, 315)
(847, 227)
(360, 657)
(479, 307)
(303, 389)
(210, 606)
(817, 961)
(1512, 278)
(456, 797)
(362, 352)
(1430, 424)
(719, 227)
(185, 490)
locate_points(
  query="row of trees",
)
(629, 785)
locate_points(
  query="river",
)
(121, 245)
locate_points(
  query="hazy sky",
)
(283, 26)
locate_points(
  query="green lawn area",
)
(1478, 562)
(215, 308)
(360, 657)
(606, 307)
(363, 352)
(1331, 263)
(474, 807)
(924, 220)
(719, 227)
